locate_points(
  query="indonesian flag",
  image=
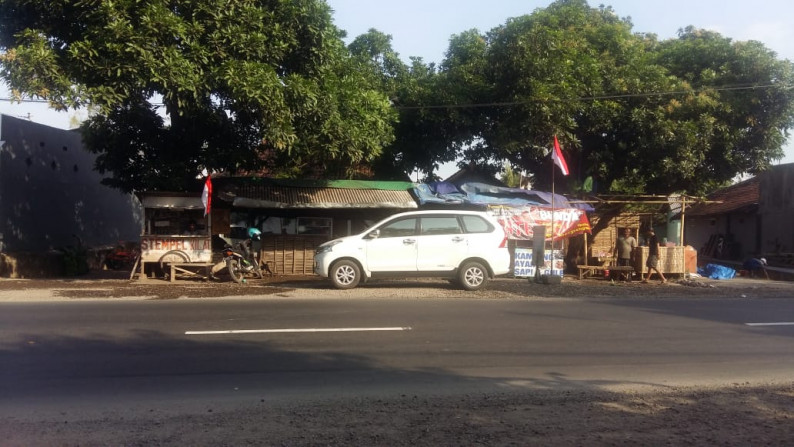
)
(206, 195)
(557, 157)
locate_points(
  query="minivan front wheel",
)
(472, 276)
(345, 274)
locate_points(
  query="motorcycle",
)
(242, 262)
(122, 256)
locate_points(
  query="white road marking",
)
(782, 323)
(282, 331)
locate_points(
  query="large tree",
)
(179, 86)
(635, 114)
(424, 136)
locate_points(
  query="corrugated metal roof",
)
(741, 197)
(248, 194)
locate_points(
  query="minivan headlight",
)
(326, 247)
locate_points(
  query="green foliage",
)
(510, 177)
(268, 86)
(423, 136)
(253, 85)
(633, 115)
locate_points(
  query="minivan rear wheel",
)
(345, 274)
(472, 276)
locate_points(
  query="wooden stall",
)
(675, 260)
(600, 250)
(176, 240)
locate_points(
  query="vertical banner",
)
(554, 263)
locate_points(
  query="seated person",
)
(755, 265)
(191, 229)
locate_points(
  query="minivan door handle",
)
(409, 241)
(458, 239)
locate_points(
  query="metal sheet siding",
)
(312, 197)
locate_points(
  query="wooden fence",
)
(290, 255)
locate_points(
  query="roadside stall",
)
(176, 239)
(521, 224)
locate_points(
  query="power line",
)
(515, 103)
(596, 98)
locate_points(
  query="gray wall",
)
(742, 226)
(49, 192)
(776, 206)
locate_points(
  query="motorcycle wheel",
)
(233, 266)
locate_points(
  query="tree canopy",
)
(244, 86)
(269, 86)
(633, 114)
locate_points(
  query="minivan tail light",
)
(504, 243)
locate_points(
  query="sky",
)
(423, 27)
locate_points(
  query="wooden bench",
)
(192, 269)
(585, 270)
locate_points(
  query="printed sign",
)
(563, 223)
(554, 263)
(188, 248)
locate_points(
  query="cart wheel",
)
(172, 256)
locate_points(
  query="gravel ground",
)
(116, 285)
(731, 415)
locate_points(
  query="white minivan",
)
(468, 247)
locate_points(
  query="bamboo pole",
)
(681, 238)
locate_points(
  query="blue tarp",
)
(716, 271)
(484, 195)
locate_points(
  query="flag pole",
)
(559, 160)
(551, 255)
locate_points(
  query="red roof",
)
(739, 198)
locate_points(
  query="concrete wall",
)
(742, 227)
(776, 207)
(50, 192)
(768, 231)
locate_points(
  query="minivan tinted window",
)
(399, 228)
(476, 224)
(440, 225)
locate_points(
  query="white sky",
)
(423, 28)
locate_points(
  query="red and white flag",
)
(556, 155)
(206, 195)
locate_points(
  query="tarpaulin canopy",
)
(482, 194)
(518, 210)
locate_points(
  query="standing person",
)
(653, 257)
(624, 249)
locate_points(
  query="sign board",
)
(562, 223)
(554, 263)
(190, 248)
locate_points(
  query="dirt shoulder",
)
(734, 415)
(116, 285)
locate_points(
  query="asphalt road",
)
(101, 356)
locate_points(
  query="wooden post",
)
(681, 237)
(586, 258)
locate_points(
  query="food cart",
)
(176, 240)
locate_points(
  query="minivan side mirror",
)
(374, 234)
